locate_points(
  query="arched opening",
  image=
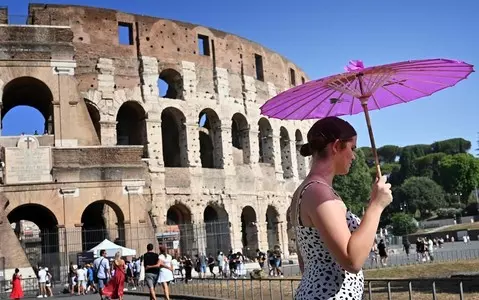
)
(175, 147)
(170, 84)
(217, 229)
(249, 231)
(240, 139)
(37, 230)
(131, 125)
(211, 147)
(94, 117)
(299, 158)
(285, 145)
(25, 93)
(272, 222)
(265, 141)
(178, 219)
(102, 220)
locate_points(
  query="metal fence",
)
(29, 286)
(56, 248)
(279, 289)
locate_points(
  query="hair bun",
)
(305, 150)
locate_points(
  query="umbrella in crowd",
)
(362, 89)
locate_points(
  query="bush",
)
(449, 212)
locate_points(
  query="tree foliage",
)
(459, 174)
(389, 153)
(403, 224)
(355, 188)
(420, 194)
(452, 146)
(428, 165)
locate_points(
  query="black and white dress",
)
(323, 277)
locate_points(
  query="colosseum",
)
(152, 133)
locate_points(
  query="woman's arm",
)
(350, 249)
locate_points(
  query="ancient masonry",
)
(151, 125)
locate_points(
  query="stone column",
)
(108, 132)
(294, 161)
(222, 85)
(236, 233)
(262, 235)
(150, 78)
(155, 145)
(190, 81)
(193, 145)
(254, 146)
(283, 237)
(249, 88)
(199, 232)
(277, 157)
(227, 147)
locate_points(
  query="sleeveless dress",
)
(114, 287)
(17, 291)
(165, 274)
(323, 276)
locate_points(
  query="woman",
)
(114, 287)
(332, 244)
(17, 291)
(166, 271)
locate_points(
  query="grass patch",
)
(458, 227)
(425, 270)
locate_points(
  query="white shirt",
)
(81, 274)
(42, 276)
(103, 268)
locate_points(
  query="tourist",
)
(42, 280)
(166, 270)
(114, 287)
(101, 267)
(151, 258)
(333, 246)
(17, 291)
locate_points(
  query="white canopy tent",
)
(111, 248)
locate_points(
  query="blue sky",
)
(322, 36)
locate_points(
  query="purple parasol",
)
(364, 89)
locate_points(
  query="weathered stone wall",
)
(224, 83)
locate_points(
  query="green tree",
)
(420, 194)
(355, 188)
(386, 168)
(388, 153)
(368, 155)
(403, 224)
(428, 165)
(459, 174)
(452, 146)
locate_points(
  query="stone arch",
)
(211, 144)
(102, 219)
(266, 146)
(95, 117)
(272, 221)
(285, 145)
(32, 92)
(36, 226)
(249, 231)
(174, 84)
(174, 140)
(217, 229)
(131, 125)
(302, 172)
(240, 139)
(178, 219)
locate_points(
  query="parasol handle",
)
(364, 104)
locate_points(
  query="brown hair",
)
(325, 131)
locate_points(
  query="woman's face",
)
(344, 154)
